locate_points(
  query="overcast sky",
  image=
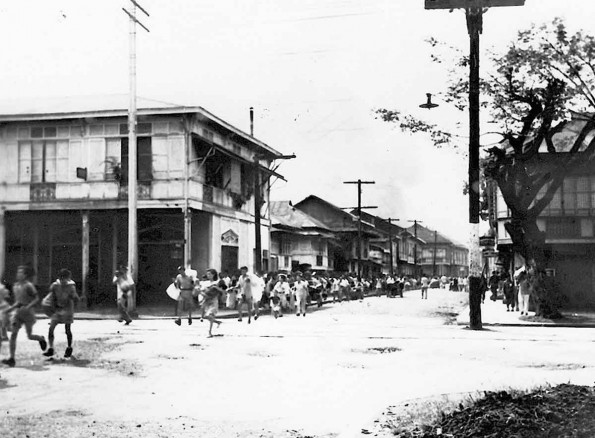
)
(314, 70)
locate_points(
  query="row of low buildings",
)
(64, 202)
(317, 235)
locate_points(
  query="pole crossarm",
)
(133, 18)
(359, 183)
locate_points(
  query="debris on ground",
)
(561, 411)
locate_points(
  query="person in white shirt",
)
(283, 291)
(301, 293)
(424, 287)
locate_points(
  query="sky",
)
(314, 71)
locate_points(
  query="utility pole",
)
(415, 267)
(474, 10)
(257, 206)
(434, 259)
(132, 153)
(359, 183)
(258, 201)
(390, 244)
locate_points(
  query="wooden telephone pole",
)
(474, 10)
(132, 154)
(359, 183)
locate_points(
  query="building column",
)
(114, 242)
(50, 251)
(35, 255)
(85, 261)
(2, 242)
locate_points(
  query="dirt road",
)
(323, 375)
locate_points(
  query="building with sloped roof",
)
(298, 241)
(64, 192)
(344, 226)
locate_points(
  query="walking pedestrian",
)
(185, 283)
(283, 292)
(300, 287)
(245, 296)
(63, 295)
(124, 285)
(508, 291)
(424, 287)
(524, 291)
(22, 313)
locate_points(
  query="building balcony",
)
(114, 192)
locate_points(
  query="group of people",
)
(515, 289)
(17, 309)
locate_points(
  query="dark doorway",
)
(229, 259)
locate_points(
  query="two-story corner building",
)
(299, 241)
(64, 192)
(441, 255)
(568, 222)
(344, 226)
(409, 251)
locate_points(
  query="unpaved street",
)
(325, 375)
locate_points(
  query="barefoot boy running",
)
(21, 313)
(64, 297)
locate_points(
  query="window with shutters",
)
(144, 159)
(43, 161)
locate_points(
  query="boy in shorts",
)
(185, 283)
(64, 296)
(22, 313)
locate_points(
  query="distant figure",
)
(4, 320)
(524, 291)
(245, 293)
(63, 294)
(493, 284)
(508, 290)
(424, 287)
(124, 285)
(22, 312)
(283, 291)
(301, 293)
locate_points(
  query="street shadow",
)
(4, 384)
(34, 367)
(72, 361)
(483, 329)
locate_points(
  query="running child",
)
(63, 293)
(22, 313)
(211, 290)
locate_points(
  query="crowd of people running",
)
(276, 292)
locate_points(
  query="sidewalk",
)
(493, 313)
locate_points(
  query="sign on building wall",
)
(230, 238)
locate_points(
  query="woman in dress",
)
(211, 289)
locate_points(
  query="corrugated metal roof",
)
(282, 213)
(111, 105)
